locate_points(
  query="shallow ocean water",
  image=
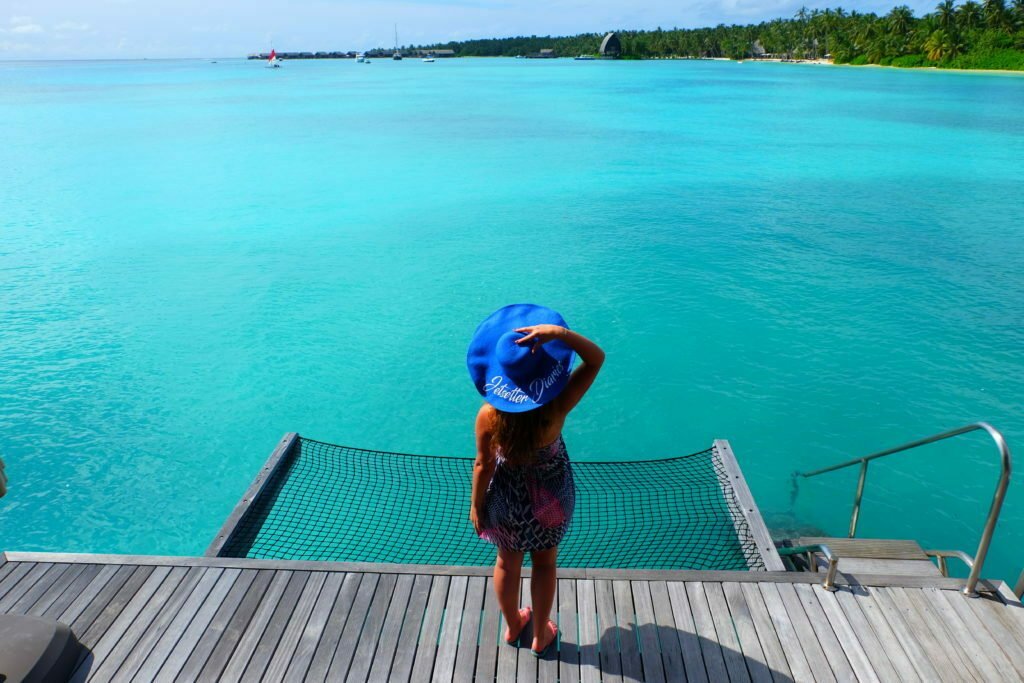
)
(812, 262)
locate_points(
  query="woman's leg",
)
(542, 586)
(507, 573)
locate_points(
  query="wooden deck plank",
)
(771, 646)
(24, 602)
(325, 649)
(295, 627)
(526, 666)
(589, 635)
(948, 658)
(236, 627)
(992, 612)
(957, 641)
(704, 625)
(647, 627)
(98, 598)
(118, 640)
(113, 608)
(547, 666)
(608, 632)
(874, 632)
(862, 662)
(390, 633)
(86, 594)
(917, 641)
(626, 627)
(568, 633)
(353, 627)
(88, 574)
(725, 629)
(369, 637)
(57, 589)
(789, 639)
(213, 633)
(487, 652)
(276, 623)
(315, 627)
(466, 655)
(201, 619)
(508, 656)
(746, 633)
(972, 633)
(14, 577)
(451, 624)
(426, 642)
(254, 629)
(685, 631)
(824, 637)
(667, 634)
(412, 625)
(25, 585)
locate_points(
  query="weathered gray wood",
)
(113, 608)
(647, 627)
(863, 664)
(508, 656)
(451, 623)
(426, 645)
(668, 636)
(704, 625)
(732, 650)
(56, 589)
(589, 632)
(788, 638)
(971, 631)
(947, 657)
(990, 610)
(26, 584)
(325, 649)
(213, 633)
(775, 657)
(389, 637)
(877, 653)
(629, 649)
(409, 635)
(746, 633)
(277, 458)
(46, 581)
(758, 529)
(88, 574)
(202, 616)
(254, 629)
(685, 632)
(611, 660)
(114, 644)
(277, 622)
(89, 593)
(917, 641)
(315, 627)
(236, 627)
(366, 647)
(159, 617)
(14, 577)
(295, 627)
(353, 628)
(875, 634)
(803, 597)
(868, 548)
(958, 642)
(568, 628)
(487, 653)
(547, 666)
(465, 657)
(526, 667)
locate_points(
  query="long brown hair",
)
(518, 434)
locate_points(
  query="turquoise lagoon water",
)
(812, 262)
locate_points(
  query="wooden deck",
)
(184, 619)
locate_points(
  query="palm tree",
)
(995, 13)
(899, 20)
(947, 14)
(969, 15)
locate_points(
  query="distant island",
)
(972, 35)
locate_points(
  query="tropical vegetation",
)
(972, 35)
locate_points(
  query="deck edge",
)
(758, 529)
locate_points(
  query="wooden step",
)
(873, 556)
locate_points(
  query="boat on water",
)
(584, 58)
(429, 58)
(398, 55)
(361, 58)
(273, 62)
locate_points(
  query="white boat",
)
(361, 58)
(398, 55)
(273, 62)
(428, 58)
(584, 58)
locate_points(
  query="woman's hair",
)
(517, 434)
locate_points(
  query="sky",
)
(125, 29)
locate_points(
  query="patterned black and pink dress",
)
(529, 507)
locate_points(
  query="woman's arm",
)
(483, 467)
(583, 376)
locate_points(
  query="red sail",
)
(273, 54)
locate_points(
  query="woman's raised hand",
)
(539, 335)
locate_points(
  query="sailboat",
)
(273, 62)
(398, 55)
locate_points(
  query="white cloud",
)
(27, 28)
(72, 26)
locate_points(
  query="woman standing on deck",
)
(523, 492)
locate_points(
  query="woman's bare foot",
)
(543, 638)
(524, 618)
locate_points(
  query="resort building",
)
(611, 48)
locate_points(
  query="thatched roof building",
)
(610, 46)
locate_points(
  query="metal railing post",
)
(855, 514)
(1018, 590)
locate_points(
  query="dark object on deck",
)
(611, 48)
(34, 649)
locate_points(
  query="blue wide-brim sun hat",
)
(508, 375)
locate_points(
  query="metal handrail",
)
(997, 498)
(942, 555)
(833, 561)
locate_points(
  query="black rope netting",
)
(328, 502)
